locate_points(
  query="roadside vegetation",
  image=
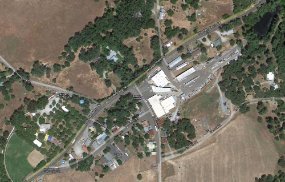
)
(240, 5)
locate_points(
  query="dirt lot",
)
(38, 30)
(35, 157)
(130, 170)
(241, 151)
(212, 11)
(84, 80)
(70, 176)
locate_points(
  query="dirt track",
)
(241, 151)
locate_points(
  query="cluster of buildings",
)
(163, 100)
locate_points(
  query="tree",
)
(170, 12)
(281, 161)
(168, 23)
(139, 176)
(232, 42)
(192, 17)
(225, 16)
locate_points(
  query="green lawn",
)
(16, 158)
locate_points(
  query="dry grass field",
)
(38, 30)
(240, 152)
(141, 48)
(204, 111)
(70, 176)
(84, 80)
(130, 170)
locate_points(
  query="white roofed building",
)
(160, 89)
(270, 76)
(44, 127)
(160, 79)
(161, 107)
(186, 73)
(37, 143)
(168, 104)
(64, 109)
(175, 62)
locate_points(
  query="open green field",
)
(16, 158)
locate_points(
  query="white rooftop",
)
(44, 127)
(37, 143)
(168, 104)
(270, 76)
(64, 109)
(175, 62)
(161, 107)
(160, 79)
(156, 106)
(185, 74)
(160, 89)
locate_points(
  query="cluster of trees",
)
(238, 77)
(240, 5)
(276, 125)
(171, 31)
(193, 3)
(40, 69)
(179, 134)
(154, 43)
(120, 114)
(7, 79)
(280, 176)
(83, 165)
(110, 30)
(33, 105)
(281, 161)
(261, 108)
(232, 24)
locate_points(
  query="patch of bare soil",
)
(38, 30)
(212, 11)
(83, 80)
(129, 171)
(35, 157)
(241, 151)
(70, 176)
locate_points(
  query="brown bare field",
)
(38, 30)
(240, 152)
(142, 49)
(70, 176)
(84, 80)
(129, 171)
(35, 157)
(204, 111)
(212, 11)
